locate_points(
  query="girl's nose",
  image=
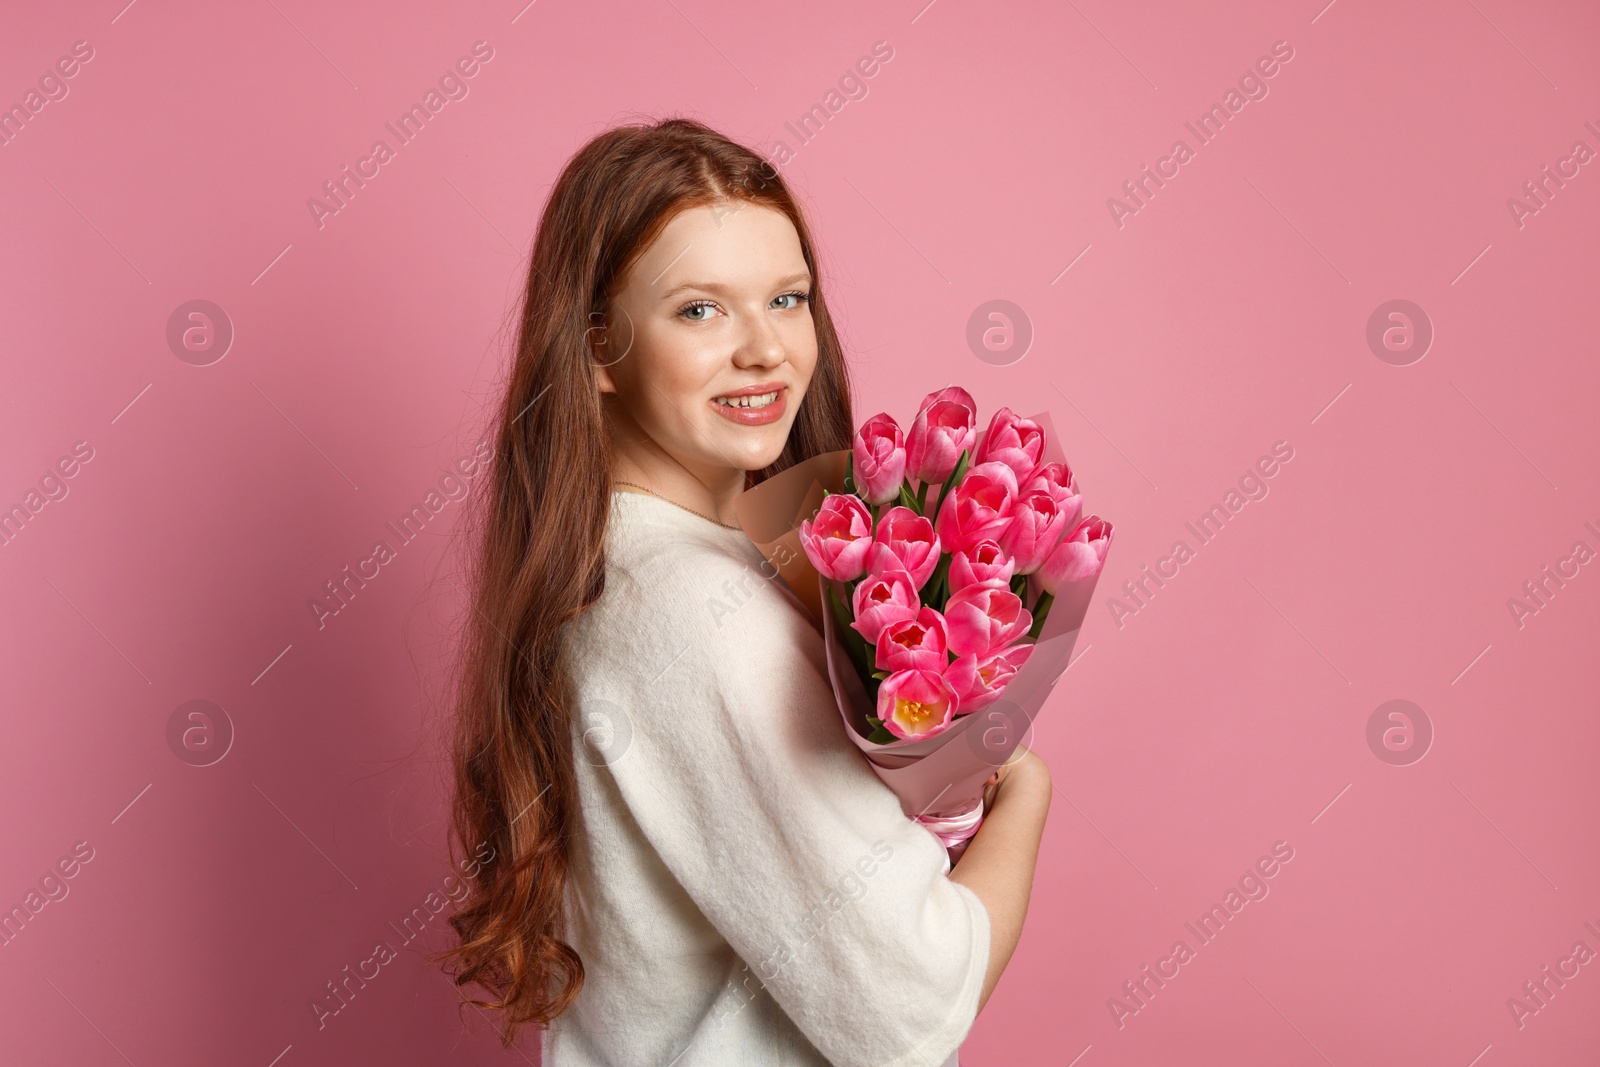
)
(762, 347)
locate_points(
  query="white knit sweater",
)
(744, 890)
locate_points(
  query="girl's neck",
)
(711, 493)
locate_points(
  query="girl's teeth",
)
(759, 401)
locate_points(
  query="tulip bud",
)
(878, 459)
(838, 542)
(1079, 556)
(1014, 441)
(945, 427)
(905, 541)
(979, 508)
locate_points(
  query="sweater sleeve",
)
(732, 756)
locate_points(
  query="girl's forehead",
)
(711, 246)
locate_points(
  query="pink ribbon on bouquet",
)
(954, 831)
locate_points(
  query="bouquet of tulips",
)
(953, 565)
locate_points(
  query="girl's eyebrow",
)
(717, 287)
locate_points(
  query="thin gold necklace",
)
(674, 503)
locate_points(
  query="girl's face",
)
(709, 343)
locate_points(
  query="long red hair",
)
(536, 530)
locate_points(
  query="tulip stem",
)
(1041, 611)
(854, 643)
(953, 480)
(933, 593)
(922, 498)
(907, 499)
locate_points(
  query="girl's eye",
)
(697, 310)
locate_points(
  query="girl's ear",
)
(603, 349)
(594, 339)
(602, 374)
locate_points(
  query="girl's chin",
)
(754, 458)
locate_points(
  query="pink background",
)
(1229, 313)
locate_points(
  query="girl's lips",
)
(754, 416)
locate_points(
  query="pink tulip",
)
(838, 542)
(978, 681)
(979, 508)
(905, 541)
(916, 703)
(883, 598)
(1080, 555)
(878, 459)
(982, 564)
(945, 427)
(1037, 524)
(983, 619)
(914, 644)
(1014, 441)
(1058, 480)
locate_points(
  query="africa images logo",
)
(453, 85)
(1205, 129)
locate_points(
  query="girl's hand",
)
(999, 862)
(1025, 761)
(991, 789)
